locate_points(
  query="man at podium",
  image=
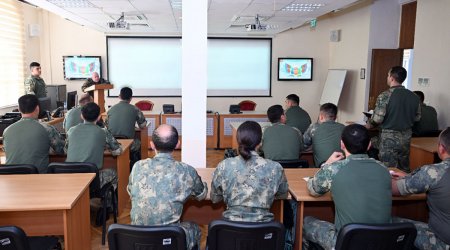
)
(95, 79)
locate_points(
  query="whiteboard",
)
(333, 86)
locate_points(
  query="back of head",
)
(34, 64)
(165, 138)
(444, 139)
(356, 138)
(329, 110)
(274, 113)
(84, 99)
(126, 94)
(90, 112)
(293, 98)
(28, 103)
(398, 73)
(249, 136)
(421, 95)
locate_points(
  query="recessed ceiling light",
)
(72, 3)
(307, 7)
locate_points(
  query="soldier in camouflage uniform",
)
(86, 142)
(296, 116)
(73, 117)
(28, 141)
(354, 182)
(247, 183)
(34, 84)
(435, 181)
(160, 186)
(93, 81)
(324, 135)
(396, 111)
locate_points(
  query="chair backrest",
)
(300, 163)
(145, 105)
(130, 237)
(13, 238)
(247, 105)
(394, 236)
(229, 235)
(18, 169)
(77, 167)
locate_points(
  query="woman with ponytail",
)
(248, 183)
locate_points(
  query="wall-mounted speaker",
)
(34, 30)
(335, 35)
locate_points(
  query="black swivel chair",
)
(95, 190)
(300, 163)
(14, 238)
(394, 236)
(229, 235)
(130, 237)
(18, 169)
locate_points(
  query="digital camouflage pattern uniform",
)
(248, 188)
(325, 139)
(282, 142)
(158, 189)
(35, 86)
(428, 120)
(396, 111)
(361, 191)
(435, 181)
(298, 118)
(29, 142)
(89, 83)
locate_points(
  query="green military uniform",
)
(89, 83)
(158, 189)
(325, 139)
(435, 181)
(248, 188)
(282, 142)
(72, 118)
(121, 120)
(428, 120)
(298, 118)
(35, 85)
(396, 111)
(86, 142)
(29, 142)
(361, 190)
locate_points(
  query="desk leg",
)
(299, 229)
(77, 227)
(123, 173)
(278, 210)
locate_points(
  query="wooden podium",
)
(99, 94)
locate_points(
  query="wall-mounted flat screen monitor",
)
(81, 67)
(295, 69)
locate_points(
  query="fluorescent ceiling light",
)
(307, 7)
(72, 3)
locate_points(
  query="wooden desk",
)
(203, 212)
(49, 205)
(412, 207)
(226, 131)
(423, 151)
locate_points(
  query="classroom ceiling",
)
(164, 17)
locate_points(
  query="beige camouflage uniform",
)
(35, 86)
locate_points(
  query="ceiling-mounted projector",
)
(120, 23)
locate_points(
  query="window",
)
(12, 51)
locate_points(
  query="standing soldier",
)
(34, 84)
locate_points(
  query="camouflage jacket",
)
(36, 86)
(89, 83)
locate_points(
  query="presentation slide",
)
(81, 67)
(152, 66)
(294, 69)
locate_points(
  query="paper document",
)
(306, 178)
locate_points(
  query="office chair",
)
(14, 238)
(392, 236)
(95, 191)
(247, 105)
(18, 169)
(229, 235)
(300, 163)
(131, 237)
(144, 105)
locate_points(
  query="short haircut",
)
(420, 94)
(444, 139)
(90, 111)
(329, 110)
(294, 98)
(126, 94)
(165, 143)
(28, 103)
(356, 138)
(398, 73)
(34, 64)
(274, 113)
(249, 136)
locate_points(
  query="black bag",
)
(230, 153)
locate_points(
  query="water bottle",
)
(65, 107)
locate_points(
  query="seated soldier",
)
(360, 186)
(160, 186)
(28, 141)
(296, 116)
(248, 183)
(428, 118)
(281, 142)
(434, 180)
(73, 116)
(324, 135)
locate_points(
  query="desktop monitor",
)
(71, 99)
(44, 106)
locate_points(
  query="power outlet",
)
(424, 81)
